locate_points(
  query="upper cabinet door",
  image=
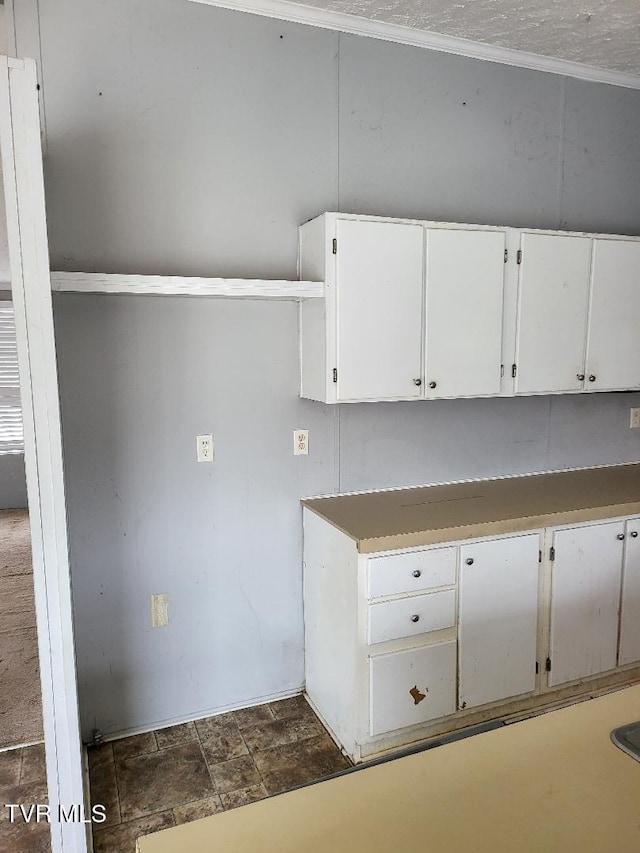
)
(613, 352)
(552, 313)
(464, 301)
(379, 288)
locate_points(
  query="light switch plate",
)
(634, 422)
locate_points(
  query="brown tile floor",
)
(152, 781)
(23, 781)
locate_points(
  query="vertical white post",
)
(29, 260)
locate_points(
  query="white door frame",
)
(31, 287)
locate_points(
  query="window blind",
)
(11, 433)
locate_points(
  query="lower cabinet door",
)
(630, 611)
(585, 598)
(498, 619)
(412, 686)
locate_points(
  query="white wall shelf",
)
(160, 285)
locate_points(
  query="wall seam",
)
(338, 123)
(561, 150)
(10, 20)
(339, 448)
(338, 434)
(43, 114)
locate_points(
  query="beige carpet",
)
(20, 704)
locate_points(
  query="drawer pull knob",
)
(469, 561)
(417, 381)
(633, 533)
(415, 618)
(432, 384)
(620, 536)
(580, 377)
(417, 572)
(592, 378)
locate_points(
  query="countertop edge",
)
(490, 528)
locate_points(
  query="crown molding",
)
(339, 21)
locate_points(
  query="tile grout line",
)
(122, 822)
(115, 776)
(207, 765)
(250, 754)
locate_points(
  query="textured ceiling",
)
(600, 33)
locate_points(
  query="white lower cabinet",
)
(585, 600)
(498, 620)
(412, 687)
(406, 644)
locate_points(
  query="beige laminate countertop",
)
(551, 784)
(403, 518)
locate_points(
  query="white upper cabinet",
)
(464, 299)
(613, 352)
(553, 300)
(424, 310)
(498, 619)
(585, 597)
(379, 269)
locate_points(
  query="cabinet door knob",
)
(469, 561)
(580, 377)
(432, 384)
(633, 534)
(417, 381)
(620, 536)
(592, 377)
(417, 572)
(415, 618)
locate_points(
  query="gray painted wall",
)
(13, 484)
(191, 140)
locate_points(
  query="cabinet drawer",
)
(411, 687)
(405, 617)
(411, 572)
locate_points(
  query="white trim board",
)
(159, 285)
(21, 153)
(339, 21)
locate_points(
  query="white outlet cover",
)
(634, 421)
(300, 442)
(204, 448)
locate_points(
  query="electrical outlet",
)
(634, 421)
(204, 448)
(159, 610)
(300, 442)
